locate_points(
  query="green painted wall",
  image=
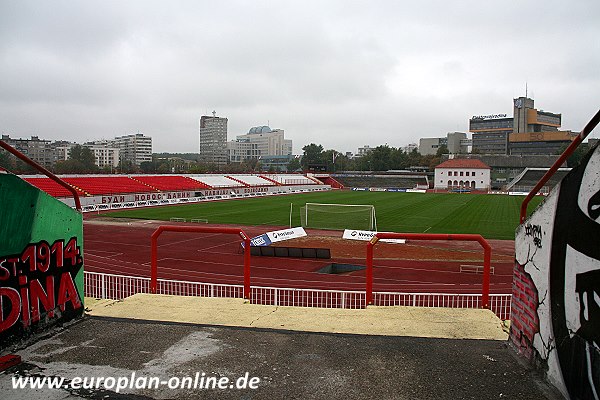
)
(40, 266)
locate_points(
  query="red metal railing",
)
(198, 229)
(43, 170)
(566, 154)
(487, 257)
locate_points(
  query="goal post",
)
(338, 216)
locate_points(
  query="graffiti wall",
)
(556, 286)
(41, 260)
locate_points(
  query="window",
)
(461, 173)
(467, 173)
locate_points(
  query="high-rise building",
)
(528, 131)
(44, 152)
(260, 141)
(106, 153)
(39, 150)
(135, 148)
(213, 140)
(490, 133)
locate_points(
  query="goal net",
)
(338, 216)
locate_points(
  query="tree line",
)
(380, 158)
(81, 160)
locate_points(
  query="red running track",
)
(124, 249)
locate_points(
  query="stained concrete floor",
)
(290, 362)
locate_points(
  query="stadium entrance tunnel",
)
(336, 269)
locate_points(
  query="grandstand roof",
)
(464, 163)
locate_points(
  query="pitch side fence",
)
(118, 287)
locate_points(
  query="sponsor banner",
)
(260, 240)
(376, 189)
(366, 236)
(286, 234)
(396, 190)
(276, 236)
(416, 191)
(360, 189)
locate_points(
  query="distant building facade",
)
(461, 174)
(505, 168)
(456, 142)
(259, 143)
(135, 148)
(528, 131)
(213, 140)
(363, 150)
(105, 153)
(410, 147)
(39, 150)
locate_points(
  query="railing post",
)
(197, 229)
(487, 261)
(246, 267)
(369, 272)
(103, 286)
(153, 259)
(487, 256)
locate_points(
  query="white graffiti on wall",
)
(559, 247)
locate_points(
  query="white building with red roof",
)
(462, 173)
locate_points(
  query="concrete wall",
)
(556, 285)
(41, 260)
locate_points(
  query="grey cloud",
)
(343, 73)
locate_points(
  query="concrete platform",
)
(385, 321)
(293, 353)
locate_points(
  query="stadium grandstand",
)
(51, 187)
(290, 179)
(172, 182)
(390, 180)
(251, 180)
(217, 181)
(94, 185)
(125, 191)
(527, 179)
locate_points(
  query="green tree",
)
(82, 157)
(294, 165)
(443, 149)
(575, 158)
(313, 154)
(127, 167)
(6, 161)
(148, 167)
(381, 158)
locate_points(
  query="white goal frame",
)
(373, 217)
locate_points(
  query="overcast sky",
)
(339, 73)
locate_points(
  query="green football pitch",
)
(492, 216)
